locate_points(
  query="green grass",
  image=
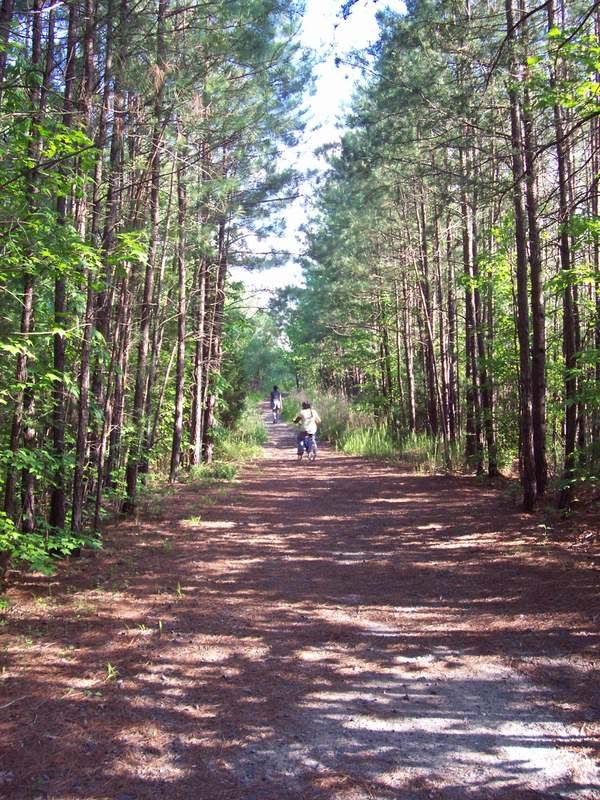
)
(374, 441)
(233, 448)
(245, 441)
(216, 471)
(357, 432)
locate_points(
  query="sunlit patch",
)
(148, 753)
(366, 626)
(217, 650)
(195, 522)
(311, 654)
(345, 557)
(433, 526)
(482, 718)
(390, 500)
(215, 655)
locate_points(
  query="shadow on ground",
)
(341, 630)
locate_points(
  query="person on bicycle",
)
(307, 420)
(276, 403)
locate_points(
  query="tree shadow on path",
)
(337, 630)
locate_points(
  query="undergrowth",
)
(356, 431)
(234, 447)
(38, 550)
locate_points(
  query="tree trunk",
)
(425, 291)
(538, 313)
(525, 428)
(6, 12)
(595, 207)
(443, 351)
(453, 396)
(399, 380)
(179, 381)
(484, 378)
(83, 408)
(569, 350)
(135, 455)
(473, 445)
(57, 498)
(24, 402)
(157, 335)
(198, 388)
(214, 360)
(409, 359)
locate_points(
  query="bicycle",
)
(309, 445)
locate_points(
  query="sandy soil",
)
(338, 630)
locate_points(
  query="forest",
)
(138, 150)
(452, 259)
(397, 599)
(452, 267)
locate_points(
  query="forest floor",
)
(339, 630)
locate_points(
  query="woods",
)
(189, 610)
(452, 287)
(452, 274)
(138, 157)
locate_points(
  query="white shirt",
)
(309, 420)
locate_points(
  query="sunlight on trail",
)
(307, 639)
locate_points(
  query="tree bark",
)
(425, 291)
(538, 313)
(453, 394)
(6, 12)
(83, 407)
(569, 349)
(473, 445)
(215, 352)
(198, 387)
(409, 359)
(135, 455)
(57, 498)
(24, 401)
(525, 428)
(181, 328)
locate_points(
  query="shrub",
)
(355, 431)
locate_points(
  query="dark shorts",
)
(300, 437)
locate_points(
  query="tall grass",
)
(375, 441)
(233, 447)
(357, 432)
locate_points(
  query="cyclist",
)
(276, 403)
(307, 419)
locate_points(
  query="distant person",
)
(276, 403)
(307, 420)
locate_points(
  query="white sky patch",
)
(328, 35)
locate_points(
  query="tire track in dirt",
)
(337, 630)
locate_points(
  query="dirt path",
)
(341, 630)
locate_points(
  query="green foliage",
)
(373, 441)
(565, 72)
(39, 551)
(213, 472)
(266, 361)
(234, 447)
(356, 431)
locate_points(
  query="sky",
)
(326, 33)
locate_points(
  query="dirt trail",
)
(339, 630)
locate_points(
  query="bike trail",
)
(343, 629)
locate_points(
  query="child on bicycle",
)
(276, 403)
(308, 420)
